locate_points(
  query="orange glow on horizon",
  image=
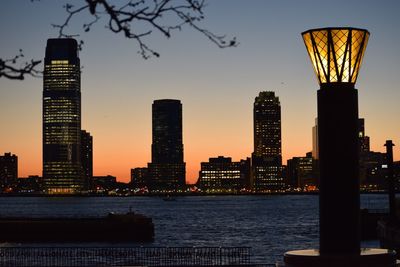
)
(29, 164)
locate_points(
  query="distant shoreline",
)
(163, 195)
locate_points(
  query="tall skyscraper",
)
(267, 126)
(364, 140)
(167, 169)
(267, 156)
(62, 169)
(87, 158)
(8, 170)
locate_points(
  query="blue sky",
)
(216, 86)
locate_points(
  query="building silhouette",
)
(62, 169)
(364, 140)
(167, 168)
(30, 184)
(221, 174)
(301, 172)
(139, 177)
(267, 156)
(372, 165)
(373, 171)
(396, 174)
(267, 126)
(8, 171)
(315, 150)
(87, 159)
(105, 183)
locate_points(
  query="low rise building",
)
(221, 174)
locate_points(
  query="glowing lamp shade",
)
(336, 53)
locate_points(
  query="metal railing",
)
(124, 256)
(378, 211)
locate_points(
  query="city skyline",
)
(217, 87)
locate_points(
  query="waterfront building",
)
(364, 140)
(267, 175)
(396, 174)
(166, 176)
(267, 126)
(8, 171)
(62, 168)
(315, 153)
(221, 174)
(315, 150)
(372, 164)
(373, 171)
(104, 183)
(301, 173)
(87, 158)
(167, 168)
(30, 184)
(139, 177)
(267, 156)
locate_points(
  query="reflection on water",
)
(270, 225)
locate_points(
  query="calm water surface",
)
(270, 225)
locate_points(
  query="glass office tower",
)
(62, 169)
(167, 168)
(267, 156)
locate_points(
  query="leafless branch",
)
(135, 19)
(163, 16)
(13, 70)
(71, 13)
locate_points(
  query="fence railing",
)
(124, 256)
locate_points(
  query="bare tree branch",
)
(163, 16)
(71, 13)
(136, 19)
(10, 70)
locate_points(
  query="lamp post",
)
(336, 55)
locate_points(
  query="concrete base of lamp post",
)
(369, 257)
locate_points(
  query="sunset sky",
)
(217, 87)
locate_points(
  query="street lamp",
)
(336, 55)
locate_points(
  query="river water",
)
(270, 224)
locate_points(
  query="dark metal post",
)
(338, 158)
(391, 185)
